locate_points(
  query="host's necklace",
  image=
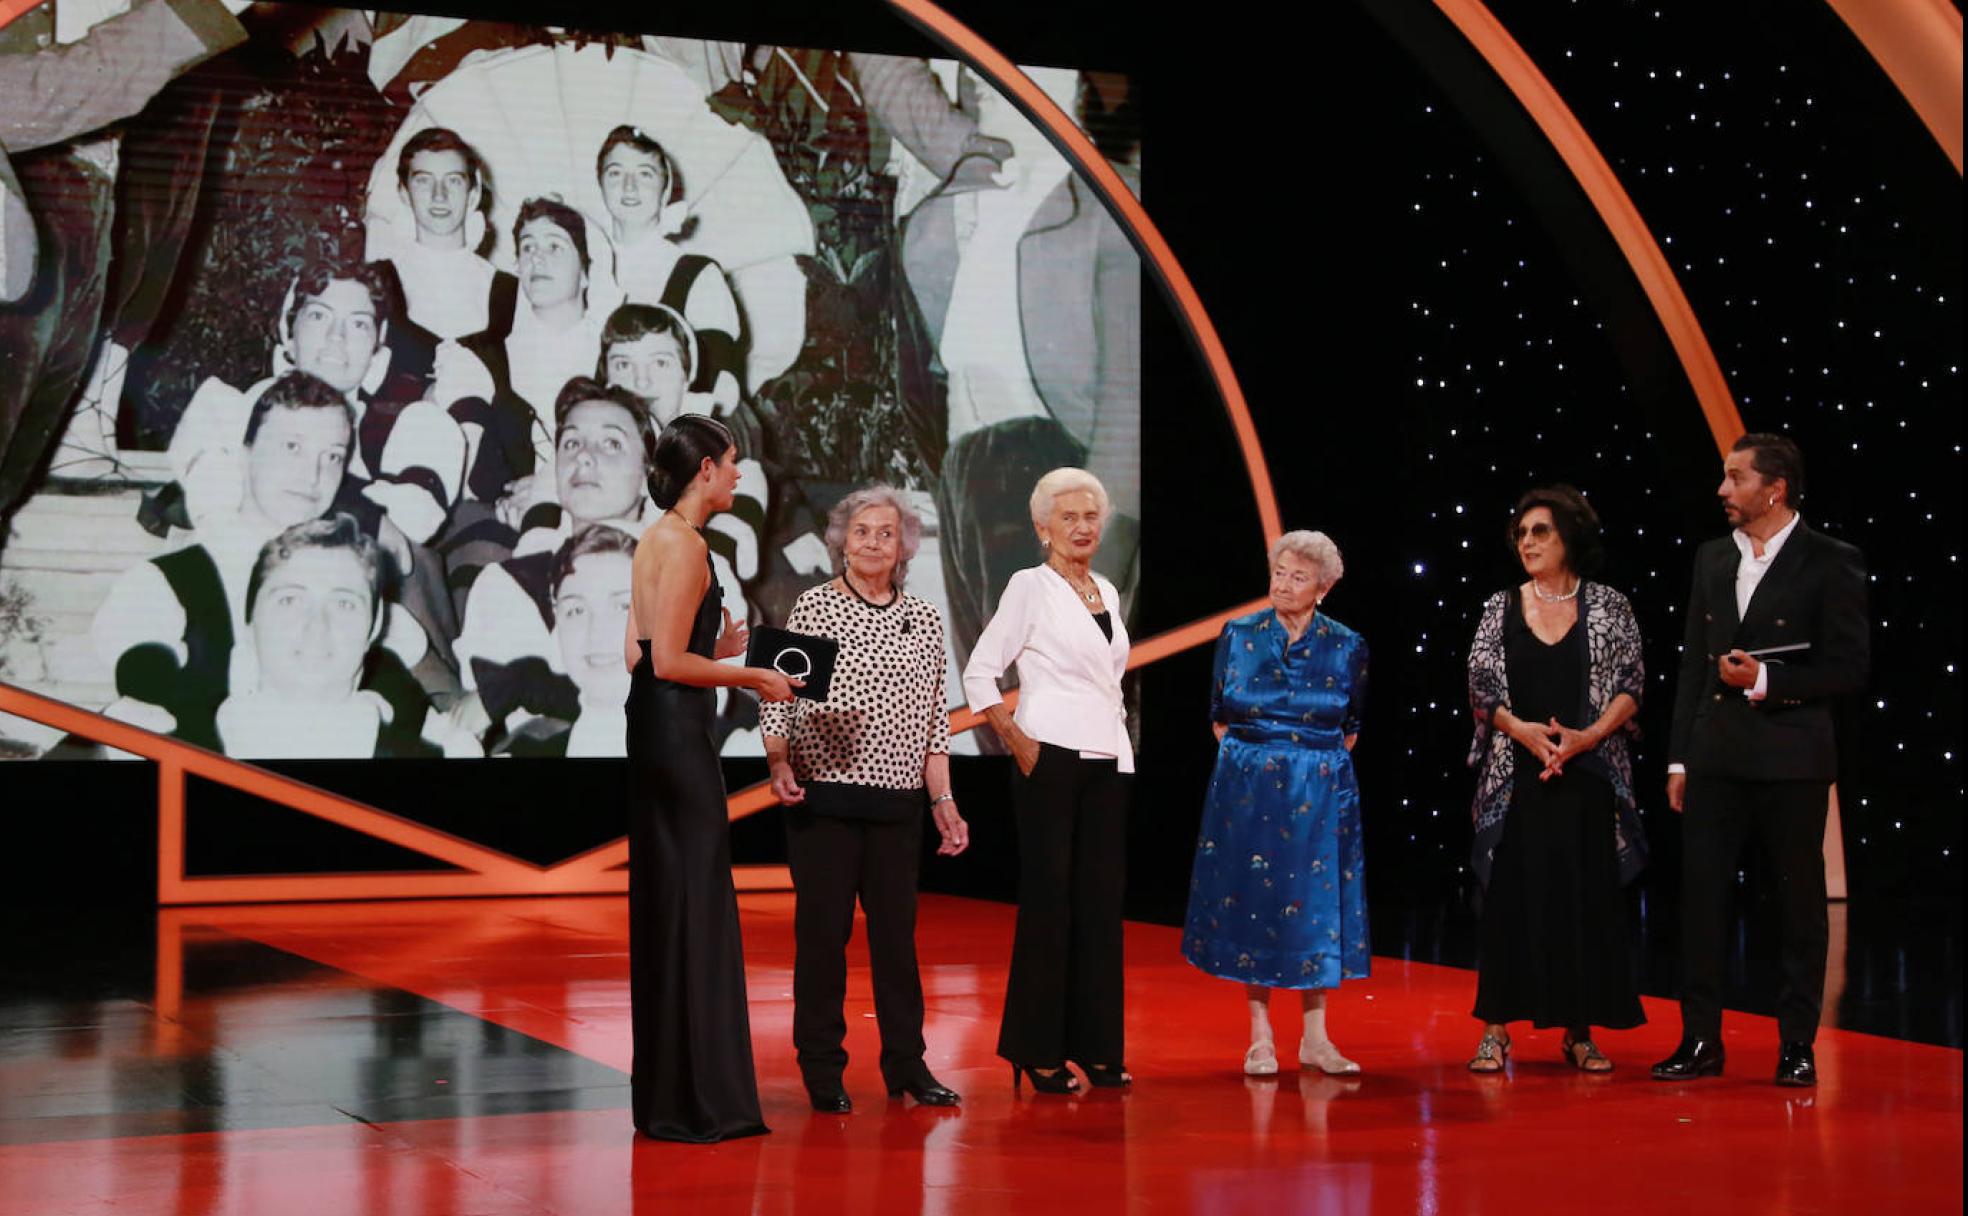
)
(1557, 599)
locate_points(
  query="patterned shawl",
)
(1614, 666)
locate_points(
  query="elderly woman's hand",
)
(785, 786)
(951, 825)
(1024, 750)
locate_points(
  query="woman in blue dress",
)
(1278, 895)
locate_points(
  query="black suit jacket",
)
(1815, 591)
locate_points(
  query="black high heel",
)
(1058, 1081)
(1107, 1076)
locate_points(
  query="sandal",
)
(1584, 1055)
(1326, 1058)
(1491, 1053)
(1261, 1060)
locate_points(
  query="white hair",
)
(1316, 548)
(1065, 481)
(876, 495)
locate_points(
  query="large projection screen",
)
(350, 462)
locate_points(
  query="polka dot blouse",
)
(887, 706)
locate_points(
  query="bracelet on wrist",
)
(940, 799)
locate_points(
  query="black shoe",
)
(1797, 1066)
(925, 1089)
(830, 1099)
(1694, 1058)
(1107, 1076)
(1057, 1080)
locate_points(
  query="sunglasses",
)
(1536, 531)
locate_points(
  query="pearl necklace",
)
(1557, 599)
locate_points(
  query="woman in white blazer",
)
(1060, 623)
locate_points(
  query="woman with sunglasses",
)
(1555, 678)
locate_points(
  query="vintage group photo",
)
(333, 438)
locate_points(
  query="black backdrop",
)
(1427, 317)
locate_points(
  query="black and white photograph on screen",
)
(330, 367)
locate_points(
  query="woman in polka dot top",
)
(853, 771)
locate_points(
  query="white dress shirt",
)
(1749, 574)
(1069, 675)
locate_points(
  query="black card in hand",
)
(798, 656)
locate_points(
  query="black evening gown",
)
(692, 1078)
(1553, 940)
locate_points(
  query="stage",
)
(470, 1057)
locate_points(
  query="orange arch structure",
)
(1615, 207)
(1918, 44)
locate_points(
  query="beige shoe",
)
(1326, 1058)
(1261, 1060)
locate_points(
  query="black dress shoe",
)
(926, 1090)
(1694, 1058)
(1796, 1065)
(829, 1099)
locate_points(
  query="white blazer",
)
(1069, 676)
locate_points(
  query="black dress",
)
(1553, 942)
(692, 1077)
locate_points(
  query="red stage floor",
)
(332, 1089)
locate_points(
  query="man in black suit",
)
(1776, 632)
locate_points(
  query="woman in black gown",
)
(1555, 677)
(692, 1076)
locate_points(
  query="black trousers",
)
(1063, 999)
(1788, 819)
(834, 860)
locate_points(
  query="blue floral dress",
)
(1277, 896)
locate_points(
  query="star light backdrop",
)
(1811, 222)
(1485, 345)
(1816, 228)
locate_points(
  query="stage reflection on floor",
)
(1893, 967)
(470, 1057)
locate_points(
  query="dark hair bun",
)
(683, 447)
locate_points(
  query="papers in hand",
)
(1769, 652)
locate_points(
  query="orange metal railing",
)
(477, 870)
